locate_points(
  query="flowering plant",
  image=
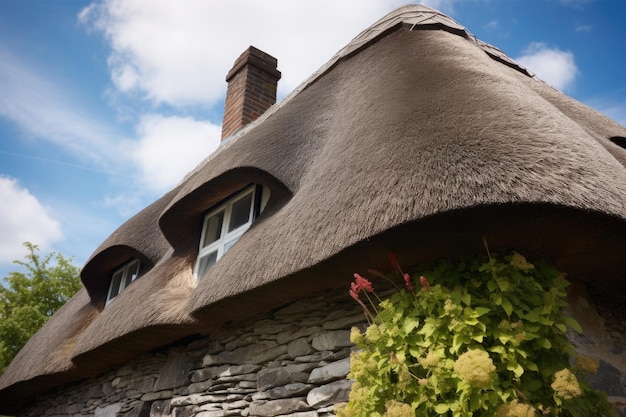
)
(479, 337)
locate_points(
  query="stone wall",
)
(291, 362)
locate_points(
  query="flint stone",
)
(257, 353)
(138, 410)
(218, 413)
(240, 342)
(236, 405)
(247, 384)
(343, 353)
(199, 387)
(264, 328)
(316, 357)
(160, 409)
(238, 378)
(303, 414)
(210, 407)
(274, 377)
(289, 390)
(299, 347)
(332, 340)
(278, 407)
(223, 371)
(184, 412)
(330, 372)
(108, 411)
(159, 395)
(107, 388)
(343, 322)
(284, 338)
(332, 393)
(133, 393)
(196, 399)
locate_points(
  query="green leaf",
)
(573, 324)
(532, 366)
(478, 338)
(503, 284)
(466, 299)
(507, 306)
(497, 349)
(544, 343)
(441, 408)
(475, 401)
(516, 368)
(427, 330)
(532, 316)
(410, 324)
(481, 311)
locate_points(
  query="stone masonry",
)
(291, 362)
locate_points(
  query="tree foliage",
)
(28, 299)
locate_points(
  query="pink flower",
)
(394, 262)
(424, 282)
(360, 284)
(363, 283)
(408, 282)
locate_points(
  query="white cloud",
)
(493, 25)
(170, 147)
(552, 65)
(44, 110)
(584, 28)
(165, 148)
(178, 53)
(23, 218)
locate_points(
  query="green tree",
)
(28, 299)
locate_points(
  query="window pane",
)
(115, 284)
(206, 262)
(213, 228)
(132, 274)
(229, 244)
(240, 212)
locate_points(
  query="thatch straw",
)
(419, 141)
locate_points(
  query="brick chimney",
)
(251, 89)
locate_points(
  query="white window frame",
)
(228, 238)
(127, 273)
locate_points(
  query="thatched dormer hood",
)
(415, 137)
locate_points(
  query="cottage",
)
(228, 295)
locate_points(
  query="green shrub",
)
(478, 337)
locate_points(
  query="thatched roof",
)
(415, 137)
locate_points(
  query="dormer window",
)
(122, 277)
(224, 224)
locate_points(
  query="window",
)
(122, 277)
(619, 141)
(226, 223)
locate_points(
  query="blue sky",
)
(104, 106)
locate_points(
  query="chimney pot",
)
(252, 84)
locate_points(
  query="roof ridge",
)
(413, 16)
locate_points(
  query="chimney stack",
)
(251, 89)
